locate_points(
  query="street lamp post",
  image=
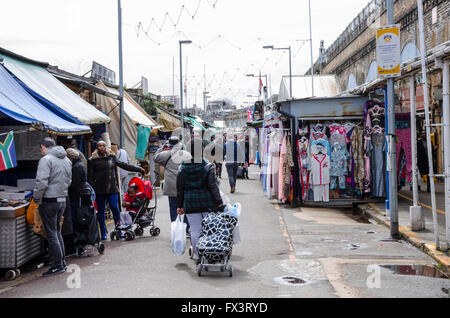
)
(311, 46)
(181, 85)
(122, 138)
(271, 47)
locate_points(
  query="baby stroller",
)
(86, 229)
(144, 218)
(215, 244)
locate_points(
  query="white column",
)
(415, 211)
(446, 120)
(427, 120)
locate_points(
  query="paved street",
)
(329, 250)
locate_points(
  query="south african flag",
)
(7, 152)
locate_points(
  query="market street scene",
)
(225, 150)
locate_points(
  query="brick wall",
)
(357, 56)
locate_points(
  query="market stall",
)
(325, 151)
(24, 122)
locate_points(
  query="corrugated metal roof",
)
(324, 86)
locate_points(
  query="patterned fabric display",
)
(216, 238)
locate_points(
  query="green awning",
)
(195, 123)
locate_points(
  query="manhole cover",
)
(293, 280)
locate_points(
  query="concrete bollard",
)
(417, 220)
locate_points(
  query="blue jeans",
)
(173, 206)
(113, 201)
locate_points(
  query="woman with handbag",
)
(198, 192)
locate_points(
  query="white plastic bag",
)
(125, 220)
(225, 199)
(178, 232)
(236, 235)
(236, 211)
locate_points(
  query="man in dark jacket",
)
(234, 155)
(102, 175)
(197, 192)
(54, 175)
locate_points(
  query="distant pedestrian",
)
(247, 157)
(198, 192)
(122, 155)
(54, 175)
(170, 156)
(234, 155)
(102, 175)
(214, 154)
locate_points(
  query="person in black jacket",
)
(79, 179)
(197, 192)
(102, 175)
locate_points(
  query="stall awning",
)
(195, 123)
(133, 110)
(19, 106)
(49, 91)
(332, 108)
(324, 86)
(169, 121)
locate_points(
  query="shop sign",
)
(103, 73)
(388, 51)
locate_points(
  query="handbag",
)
(31, 211)
(38, 227)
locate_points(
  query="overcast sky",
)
(228, 39)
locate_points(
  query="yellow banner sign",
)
(388, 51)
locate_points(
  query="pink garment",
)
(281, 194)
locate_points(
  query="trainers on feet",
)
(55, 270)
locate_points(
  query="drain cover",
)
(293, 280)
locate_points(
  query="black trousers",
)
(51, 214)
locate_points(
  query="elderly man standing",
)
(54, 176)
(171, 157)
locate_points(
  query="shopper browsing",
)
(53, 178)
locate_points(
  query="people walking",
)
(102, 175)
(122, 155)
(198, 193)
(171, 155)
(234, 155)
(54, 176)
(214, 153)
(79, 179)
(247, 157)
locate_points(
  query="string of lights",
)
(175, 22)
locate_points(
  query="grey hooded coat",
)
(171, 160)
(54, 175)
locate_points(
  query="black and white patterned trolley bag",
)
(216, 238)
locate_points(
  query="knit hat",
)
(173, 141)
(72, 154)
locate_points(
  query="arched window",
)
(409, 52)
(372, 73)
(351, 83)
